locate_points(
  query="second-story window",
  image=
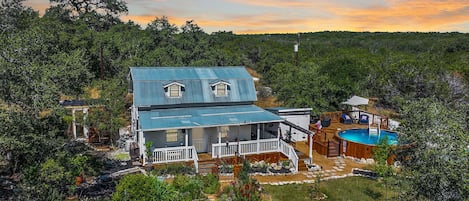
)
(221, 88)
(174, 90)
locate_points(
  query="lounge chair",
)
(364, 119)
(345, 119)
(326, 121)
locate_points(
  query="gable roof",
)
(147, 84)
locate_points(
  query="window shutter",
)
(166, 89)
(183, 88)
(228, 87)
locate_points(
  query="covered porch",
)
(180, 134)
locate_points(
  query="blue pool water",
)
(361, 136)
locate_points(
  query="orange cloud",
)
(280, 16)
(417, 15)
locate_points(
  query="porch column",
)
(186, 143)
(219, 142)
(85, 128)
(258, 137)
(74, 126)
(278, 138)
(311, 149)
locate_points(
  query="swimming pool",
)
(362, 136)
(359, 144)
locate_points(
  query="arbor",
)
(435, 163)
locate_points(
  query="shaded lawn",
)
(350, 188)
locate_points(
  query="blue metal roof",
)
(148, 84)
(180, 118)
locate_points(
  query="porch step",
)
(302, 166)
(206, 167)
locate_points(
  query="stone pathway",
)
(337, 171)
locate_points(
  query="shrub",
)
(211, 184)
(175, 169)
(190, 188)
(139, 187)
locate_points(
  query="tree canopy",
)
(82, 45)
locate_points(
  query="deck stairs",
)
(333, 148)
(207, 166)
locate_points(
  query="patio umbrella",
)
(356, 101)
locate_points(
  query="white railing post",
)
(258, 136)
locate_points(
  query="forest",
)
(76, 48)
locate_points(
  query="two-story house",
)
(184, 111)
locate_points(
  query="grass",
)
(350, 188)
(121, 156)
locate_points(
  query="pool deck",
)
(328, 133)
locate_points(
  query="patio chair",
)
(326, 122)
(364, 119)
(345, 119)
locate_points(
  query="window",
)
(174, 90)
(221, 90)
(224, 131)
(171, 135)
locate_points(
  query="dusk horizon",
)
(276, 16)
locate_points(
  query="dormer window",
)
(174, 90)
(221, 88)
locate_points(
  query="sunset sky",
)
(291, 16)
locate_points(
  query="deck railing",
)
(255, 147)
(174, 154)
(244, 147)
(289, 151)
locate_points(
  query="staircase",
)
(206, 166)
(333, 148)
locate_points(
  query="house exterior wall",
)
(300, 120)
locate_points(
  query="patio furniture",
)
(364, 119)
(326, 121)
(345, 119)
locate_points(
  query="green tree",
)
(381, 154)
(145, 188)
(97, 15)
(434, 162)
(110, 113)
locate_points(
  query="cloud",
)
(269, 16)
(416, 15)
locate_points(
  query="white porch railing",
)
(289, 151)
(175, 154)
(255, 147)
(244, 147)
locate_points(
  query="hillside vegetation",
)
(73, 48)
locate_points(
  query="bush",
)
(138, 187)
(175, 169)
(190, 188)
(211, 184)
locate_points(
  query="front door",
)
(198, 140)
